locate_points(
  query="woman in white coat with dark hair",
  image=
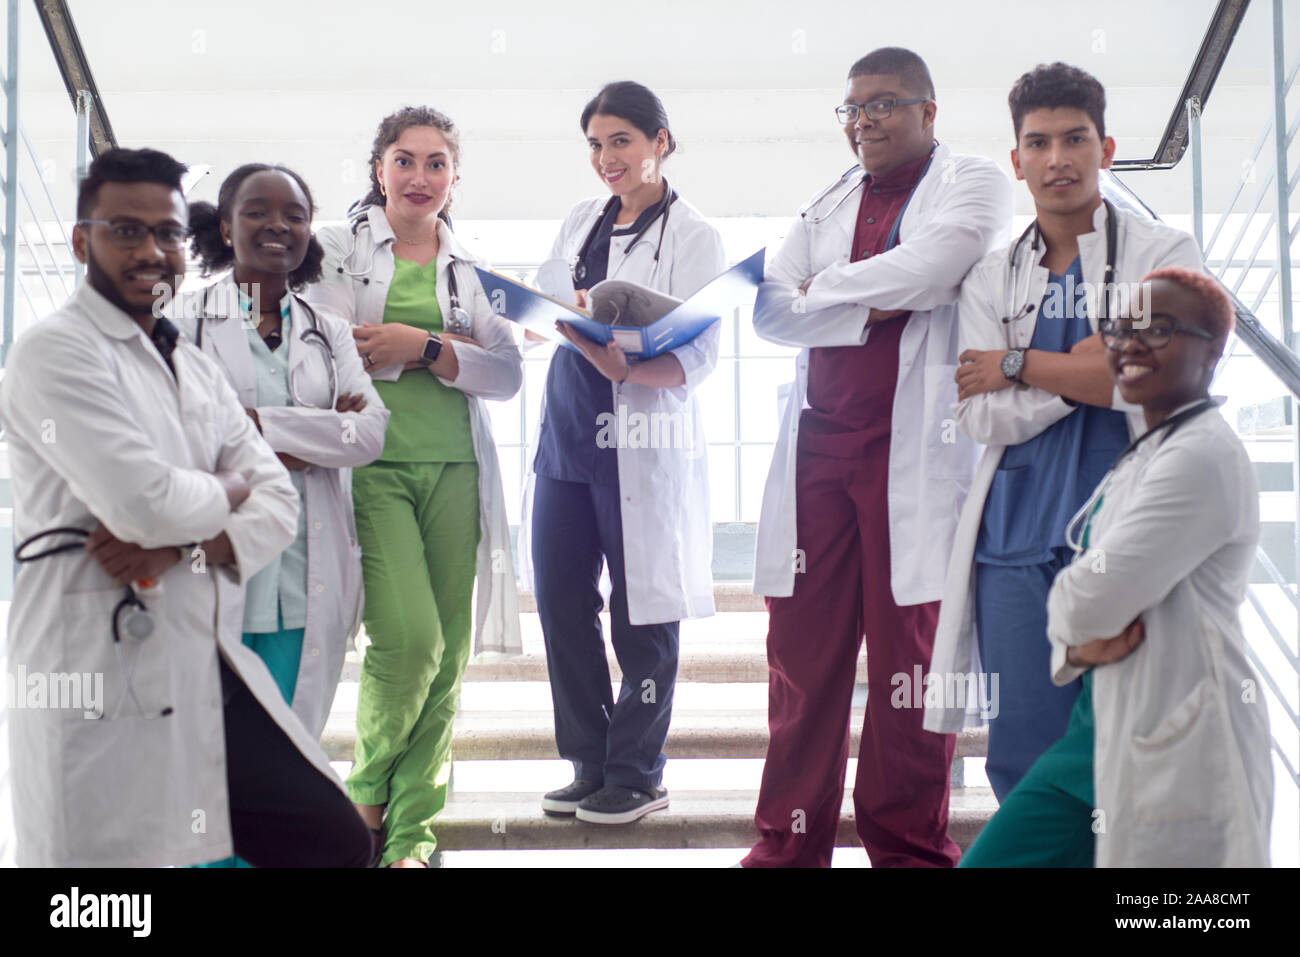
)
(599, 498)
(1165, 762)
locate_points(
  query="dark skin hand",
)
(1105, 651)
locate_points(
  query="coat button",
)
(319, 589)
(316, 526)
(870, 220)
(315, 652)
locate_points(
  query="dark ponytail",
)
(632, 102)
(211, 251)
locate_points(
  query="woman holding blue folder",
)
(621, 474)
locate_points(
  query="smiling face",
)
(270, 224)
(1161, 380)
(1059, 154)
(883, 145)
(130, 278)
(623, 157)
(417, 172)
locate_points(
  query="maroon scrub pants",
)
(900, 797)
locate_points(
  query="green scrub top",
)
(428, 421)
(276, 597)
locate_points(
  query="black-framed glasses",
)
(130, 233)
(1156, 335)
(876, 109)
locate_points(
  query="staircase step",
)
(511, 821)
(530, 735)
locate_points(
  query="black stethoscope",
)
(311, 336)
(1103, 300)
(1091, 506)
(457, 321)
(129, 614)
(579, 267)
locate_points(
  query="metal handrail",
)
(1200, 82)
(75, 70)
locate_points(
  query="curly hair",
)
(1049, 87)
(391, 127)
(210, 249)
(1217, 311)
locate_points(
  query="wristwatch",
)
(1013, 363)
(432, 348)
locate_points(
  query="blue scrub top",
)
(1041, 483)
(576, 393)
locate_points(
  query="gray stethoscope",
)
(1079, 543)
(457, 321)
(129, 615)
(1103, 301)
(862, 179)
(579, 265)
(311, 336)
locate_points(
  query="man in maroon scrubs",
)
(869, 473)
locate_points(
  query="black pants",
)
(283, 811)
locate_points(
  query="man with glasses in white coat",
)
(869, 472)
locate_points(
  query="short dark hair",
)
(128, 166)
(211, 250)
(1047, 87)
(905, 64)
(635, 103)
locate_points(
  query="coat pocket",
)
(1180, 797)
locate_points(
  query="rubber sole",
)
(622, 817)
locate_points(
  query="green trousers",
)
(418, 525)
(1046, 820)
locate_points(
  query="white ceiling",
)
(749, 88)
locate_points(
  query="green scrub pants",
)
(418, 525)
(1046, 820)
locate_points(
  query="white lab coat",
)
(334, 442)
(1016, 414)
(665, 491)
(960, 210)
(1181, 761)
(493, 369)
(99, 429)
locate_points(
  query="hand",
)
(252, 414)
(880, 315)
(389, 343)
(608, 359)
(803, 286)
(350, 402)
(1106, 651)
(457, 337)
(292, 462)
(1089, 344)
(535, 336)
(980, 371)
(581, 295)
(125, 562)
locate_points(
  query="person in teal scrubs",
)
(261, 230)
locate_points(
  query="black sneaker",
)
(616, 804)
(565, 800)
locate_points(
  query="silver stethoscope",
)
(1013, 315)
(311, 336)
(579, 265)
(457, 321)
(862, 179)
(1079, 543)
(129, 615)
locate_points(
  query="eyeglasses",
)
(1158, 334)
(876, 109)
(130, 233)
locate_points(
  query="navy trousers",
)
(1011, 621)
(577, 527)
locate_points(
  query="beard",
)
(100, 281)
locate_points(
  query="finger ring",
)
(369, 361)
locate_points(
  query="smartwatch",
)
(432, 349)
(1013, 363)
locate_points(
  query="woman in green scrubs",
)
(431, 511)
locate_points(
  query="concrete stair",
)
(719, 714)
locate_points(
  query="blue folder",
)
(682, 323)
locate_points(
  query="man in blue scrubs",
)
(1053, 451)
